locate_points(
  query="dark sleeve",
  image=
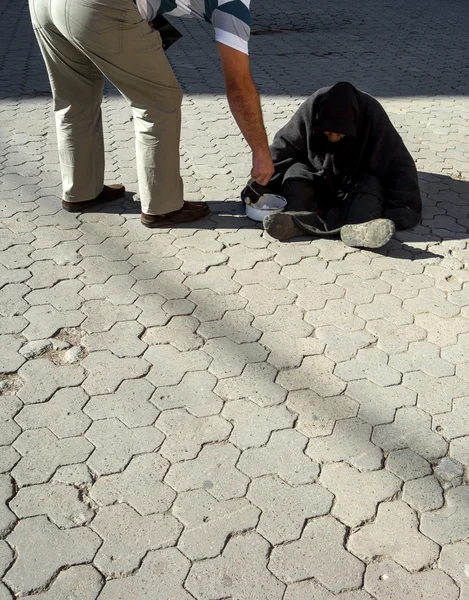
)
(396, 169)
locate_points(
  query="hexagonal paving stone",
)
(83, 582)
(220, 577)
(377, 404)
(169, 365)
(45, 321)
(186, 434)
(350, 442)
(435, 394)
(338, 312)
(209, 523)
(130, 404)
(422, 356)
(62, 414)
(454, 559)
(42, 453)
(358, 494)
(62, 504)
(235, 325)
(123, 340)
(139, 485)
(115, 444)
(229, 358)
(289, 319)
(194, 393)
(9, 429)
(410, 429)
(128, 536)
(319, 554)
(451, 523)
(106, 372)
(315, 373)
(283, 455)
(180, 332)
(64, 295)
(213, 470)
(7, 518)
(276, 499)
(388, 581)
(317, 415)
(371, 364)
(395, 534)
(102, 315)
(54, 548)
(423, 494)
(256, 383)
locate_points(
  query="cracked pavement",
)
(206, 413)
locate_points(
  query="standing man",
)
(83, 41)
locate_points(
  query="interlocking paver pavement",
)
(289, 418)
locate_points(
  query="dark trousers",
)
(317, 214)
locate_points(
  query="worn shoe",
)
(191, 211)
(372, 234)
(282, 226)
(109, 193)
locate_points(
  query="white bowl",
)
(268, 204)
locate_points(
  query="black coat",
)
(372, 146)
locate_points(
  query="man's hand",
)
(244, 102)
(262, 168)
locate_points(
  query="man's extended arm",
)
(244, 102)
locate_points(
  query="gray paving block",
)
(194, 393)
(36, 564)
(210, 306)
(305, 590)
(423, 494)
(42, 453)
(218, 279)
(7, 518)
(410, 429)
(62, 414)
(394, 534)
(162, 572)
(377, 404)
(42, 379)
(349, 442)
(105, 371)
(290, 319)
(213, 470)
(316, 374)
(319, 554)
(128, 537)
(449, 472)
(130, 404)
(285, 509)
(256, 383)
(454, 559)
(139, 485)
(229, 358)
(422, 356)
(62, 504)
(449, 524)
(78, 475)
(115, 444)
(180, 332)
(313, 295)
(83, 582)
(11, 360)
(338, 312)
(45, 321)
(12, 299)
(371, 364)
(208, 524)
(220, 577)
(283, 455)
(9, 457)
(287, 351)
(123, 340)
(186, 434)
(388, 581)
(101, 315)
(407, 465)
(341, 348)
(9, 429)
(6, 557)
(435, 394)
(455, 423)
(357, 495)
(117, 289)
(317, 415)
(394, 338)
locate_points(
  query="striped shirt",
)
(231, 19)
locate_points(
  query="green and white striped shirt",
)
(231, 19)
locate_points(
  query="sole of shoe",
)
(180, 219)
(282, 227)
(372, 234)
(110, 193)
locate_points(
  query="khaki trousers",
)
(83, 41)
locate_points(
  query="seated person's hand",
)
(262, 168)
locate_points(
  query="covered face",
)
(337, 115)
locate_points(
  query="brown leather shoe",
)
(191, 211)
(109, 193)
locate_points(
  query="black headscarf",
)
(371, 146)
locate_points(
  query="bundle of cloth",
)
(344, 170)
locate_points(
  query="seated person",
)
(343, 169)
